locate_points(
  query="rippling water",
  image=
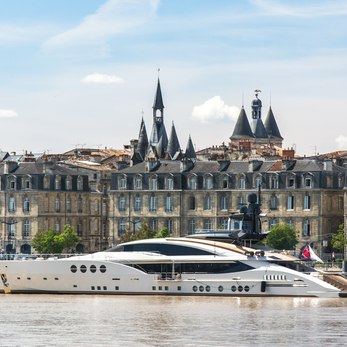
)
(65, 320)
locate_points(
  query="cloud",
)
(341, 142)
(101, 78)
(111, 18)
(322, 8)
(215, 109)
(8, 114)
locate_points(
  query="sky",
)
(83, 73)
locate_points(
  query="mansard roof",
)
(271, 126)
(242, 128)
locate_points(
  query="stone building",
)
(173, 189)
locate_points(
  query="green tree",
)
(55, 242)
(338, 240)
(144, 232)
(282, 236)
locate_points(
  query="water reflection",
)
(48, 320)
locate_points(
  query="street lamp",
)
(134, 222)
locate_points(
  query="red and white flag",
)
(308, 254)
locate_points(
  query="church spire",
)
(173, 146)
(190, 151)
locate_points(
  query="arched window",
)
(153, 181)
(170, 183)
(80, 205)
(26, 229)
(26, 204)
(273, 202)
(57, 183)
(26, 182)
(168, 203)
(57, 204)
(137, 206)
(121, 203)
(79, 183)
(192, 182)
(152, 203)
(122, 182)
(208, 182)
(68, 204)
(57, 225)
(207, 202)
(242, 182)
(138, 182)
(225, 182)
(12, 182)
(68, 183)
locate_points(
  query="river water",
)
(88, 320)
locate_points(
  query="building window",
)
(306, 228)
(11, 231)
(79, 183)
(79, 205)
(274, 182)
(307, 202)
(57, 183)
(138, 183)
(137, 204)
(273, 202)
(207, 202)
(68, 205)
(152, 203)
(46, 182)
(79, 229)
(12, 183)
(223, 202)
(153, 224)
(26, 184)
(341, 203)
(308, 182)
(57, 225)
(223, 223)
(57, 204)
(225, 182)
(207, 224)
(121, 226)
(26, 204)
(291, 182)
(242, 183)
(169, 225)
(121, 203)
(192, 183)
(26, 229)
(122, 182)
(272, 223)
(168, 203)
(208, 182)
(191, 226)
(170, 183)
(153, 183)
(290, 202)
(191, 202)
(68, 184)
(258, 181)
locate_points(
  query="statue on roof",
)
(256, 105)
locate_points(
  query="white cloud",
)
(111, 18)
(321, 8)
(8, 114)
(101, 78)
(215, 109)
(341, 142)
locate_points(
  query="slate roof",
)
(271, 126)
(242, 128)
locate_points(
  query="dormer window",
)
(242, 183)
(192, 182)
(57, 183)
(122, 182)
(68, 184)
(153, 183)
(208, 182)
(170, 182)
(308, 182)
(79, 183)
(138, 182)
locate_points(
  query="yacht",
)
(168, 266)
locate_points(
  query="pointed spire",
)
(190, 151)
(158, 100)
(271, 126)
(143, 140)
(242, 128)
(258, 129)
(173, 146)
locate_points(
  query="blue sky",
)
(82, 73)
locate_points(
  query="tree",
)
(55, 242)
(144, 232)
(282, 236)
(338, 240)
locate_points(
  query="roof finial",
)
(243, 99)
(158, 71)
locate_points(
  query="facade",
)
(103, 193)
